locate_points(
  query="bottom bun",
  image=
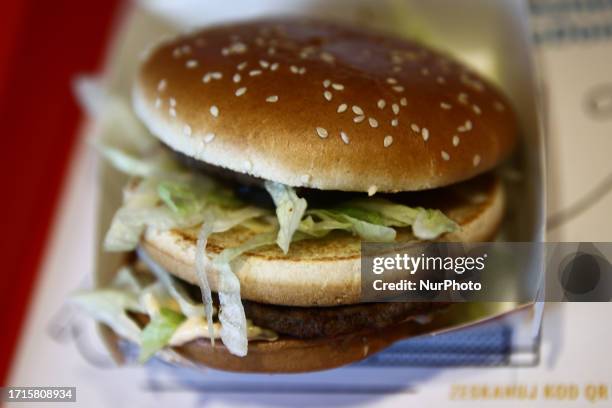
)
(289, 355)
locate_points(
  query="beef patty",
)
(313, 322)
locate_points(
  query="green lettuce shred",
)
(289, 211)
(158, 332)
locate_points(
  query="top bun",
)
(321, 105)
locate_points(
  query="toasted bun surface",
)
(288, 355)
(323, 272)
(315, 104)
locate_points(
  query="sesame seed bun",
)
(322, 272)
(321, 105)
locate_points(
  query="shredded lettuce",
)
(167, 204)
(232, 317)
(158, 332)
(177, 291)
(163, 302)
(366, 230)
(215, 221)
(160, 165)
(426, 223)
(201, 261)
(110, 307)
(289, 211)
(430, 224)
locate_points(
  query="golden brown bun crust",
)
(287, 355)
(323, 272)
(451, 123)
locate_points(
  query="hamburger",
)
(264, 153)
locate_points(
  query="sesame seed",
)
(264, 64)
(209, 137)
(415, 128)
(328, 95)
(398, 88)
(441, 80)
(322, 132)
(237, 78)
(445, 155)
(255, 72)
(338, 87)
(424, 71)
(162, 85)
(305, 178)
(191, 64)
(476, 109)
(158, 103)
(396, 108)
(327, 57)
(274, 66)
(476, 160)
(373, 122)
(462, 98)
(302, 71)
(176, 53)
(404, 102)
(172, 102)
(186, 49)
(499, 106)
(342, 108)
(236, 48)
(214, 111)
(425, 134)
(242, 66)
(271, 51)
(392, 81)
(381, 104)
(216, 75)
(395, 122)
(445, 105)
(358, 119)
(472, 83)
(372, 190)
(172, 112)
(357, 110)
(206, 78)
(272, 99)
(344, 138)
(294, 69)
(187, 130)
(241, 91)
(326, 83)
(388, 140)
(465, 127)
(456, 140)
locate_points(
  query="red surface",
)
(43, 44)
